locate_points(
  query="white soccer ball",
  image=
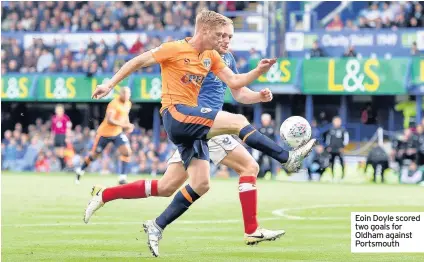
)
(295, 131)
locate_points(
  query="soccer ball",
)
(295, 131)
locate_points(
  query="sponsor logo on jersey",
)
(207, 63)
(205, 110)
(187, 78)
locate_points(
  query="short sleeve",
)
(217, 63)
(163, 52)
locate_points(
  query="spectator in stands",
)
(30, 62)
(387, 23)
(400, 21)
(388, 13)
(13, 66)
(372, 14)
(413, 22)
(419, 14)
(7, 137)
(363, 23)
(42, 164)
(336, 24)
(316, 51)
(137, 47)
(350, 25)
(44, 61)
(350, 51)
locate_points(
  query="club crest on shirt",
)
(205, 110)
(207, 63)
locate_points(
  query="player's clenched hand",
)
(265, 64)
(129, 128)
(101, 91)
(266, 95)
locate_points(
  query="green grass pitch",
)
(42, 221)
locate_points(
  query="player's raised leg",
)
(245, 165)
(228, 123)
(174, 178)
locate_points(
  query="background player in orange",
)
(112, 129)
(184, 65)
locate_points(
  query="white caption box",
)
(387, 232)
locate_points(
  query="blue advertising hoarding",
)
(366, 42)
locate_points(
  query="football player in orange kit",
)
(112, 129)
(185, 64)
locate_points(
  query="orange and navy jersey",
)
(121, 111)
(183, 71)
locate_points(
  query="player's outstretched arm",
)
(237, 81)
(144, 60)
(246, 96)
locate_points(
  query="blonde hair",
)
(210, 19)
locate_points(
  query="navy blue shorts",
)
(101, 142)
(187, 127)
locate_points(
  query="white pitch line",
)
(283, 212)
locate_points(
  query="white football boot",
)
(154, 234)
(297, 155)
(95, 203)
(262, 234)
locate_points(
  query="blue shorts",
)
(101, 142)
(187, 127)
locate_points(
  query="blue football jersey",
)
(213, 89)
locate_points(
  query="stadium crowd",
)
(81, 16)
(96, 57)
(383, 15)
(33, 150)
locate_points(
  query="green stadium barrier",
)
(283, 72)
(17, 87)
(78, 87)
(417, 71)
(353, 76)
(325, 76)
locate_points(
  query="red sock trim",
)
(247, 179)
(154, 188)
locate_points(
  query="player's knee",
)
(201, 187)
(165, 190)
(237, 123)
(251, 168)
(241, 121)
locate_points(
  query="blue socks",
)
(180, 204)
(258, 141)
